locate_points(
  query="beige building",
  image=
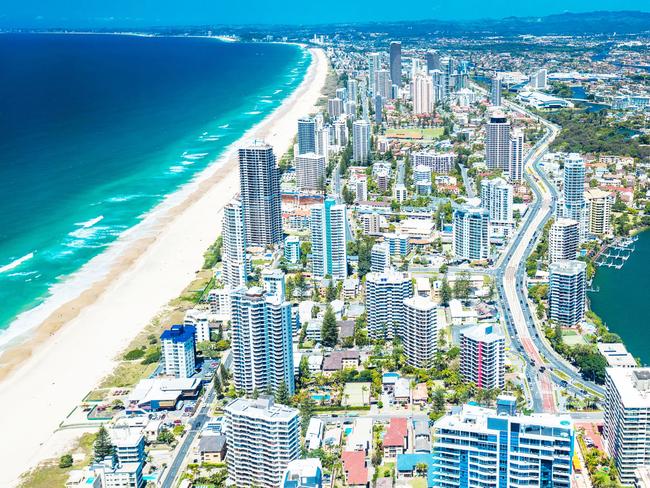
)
(599, 212)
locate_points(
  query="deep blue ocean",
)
(95, 130)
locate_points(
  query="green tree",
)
(103, 447)
(165, 436)
(218, 389)
(306, 409)
(303, 371)
(462, 286)
(330, 292)
(65, 461)
(445, 291)
(282, 394)
(329, 331)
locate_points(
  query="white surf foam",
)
(16, 262)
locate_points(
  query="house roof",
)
(212, 443)
(334, 361)
(396, 432)
(354, 464)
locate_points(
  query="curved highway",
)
(544, 367)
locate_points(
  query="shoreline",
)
(76, 346)
(67, 276)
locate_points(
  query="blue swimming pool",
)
(321, 397)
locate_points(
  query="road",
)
(510, 276)
(197, 423)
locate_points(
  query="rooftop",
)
(633, 385)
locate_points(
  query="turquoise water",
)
(622, 298)
(97, 130)
(321, 397)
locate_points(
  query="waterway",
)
(622, 299)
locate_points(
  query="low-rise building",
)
(212, 449)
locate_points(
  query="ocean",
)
(96, 130)
(622, 296)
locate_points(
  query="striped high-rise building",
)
(262, 439)
(310, 172)
(420, 331)
(496, 198)
(497, 142)
(396, 63)
(626, 420)
(516, 169)
(385, 295)
(471, 233)
(482, 356)
(261, 341)
(563, 240)
(361, 141)
(235, 266)
(329, 229)
(306, 135)
(567, 292)
(574, 206)
(260, 194)
(495, 92)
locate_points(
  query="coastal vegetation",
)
(595, 132)
(55, 472)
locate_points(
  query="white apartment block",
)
(310, 172)
(626, 427)
(262, 438)
(420, 331)
(482, 356)
(563, 240)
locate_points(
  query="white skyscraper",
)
(516, 168)
(420, 331)
(495, 92)
(353, 89)
(567, 291)
(383, 86)
(497, 142)
(261, 341)
(422, 95)
(439, 163)
(178, 345)
(310, 171)
(306, 135)
(574, 206)
(360, 141)
(496, 197)
(329, 227)
(563, 240)
(380, 257)
(235, 266)
(374, 65)
(262, 438)
(335, 107)
(482, 356)
(471, 233)
(260, 194)
(627, 420)
(385, 295)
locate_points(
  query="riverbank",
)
(621, 297)
(76, 346)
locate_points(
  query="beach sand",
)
(46, 376)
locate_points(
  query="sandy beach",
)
(43, 378)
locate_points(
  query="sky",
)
(92, 13)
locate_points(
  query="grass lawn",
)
(572, 338)
(49, 475)
(418, 483)
(386, 470)
(429, 133)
